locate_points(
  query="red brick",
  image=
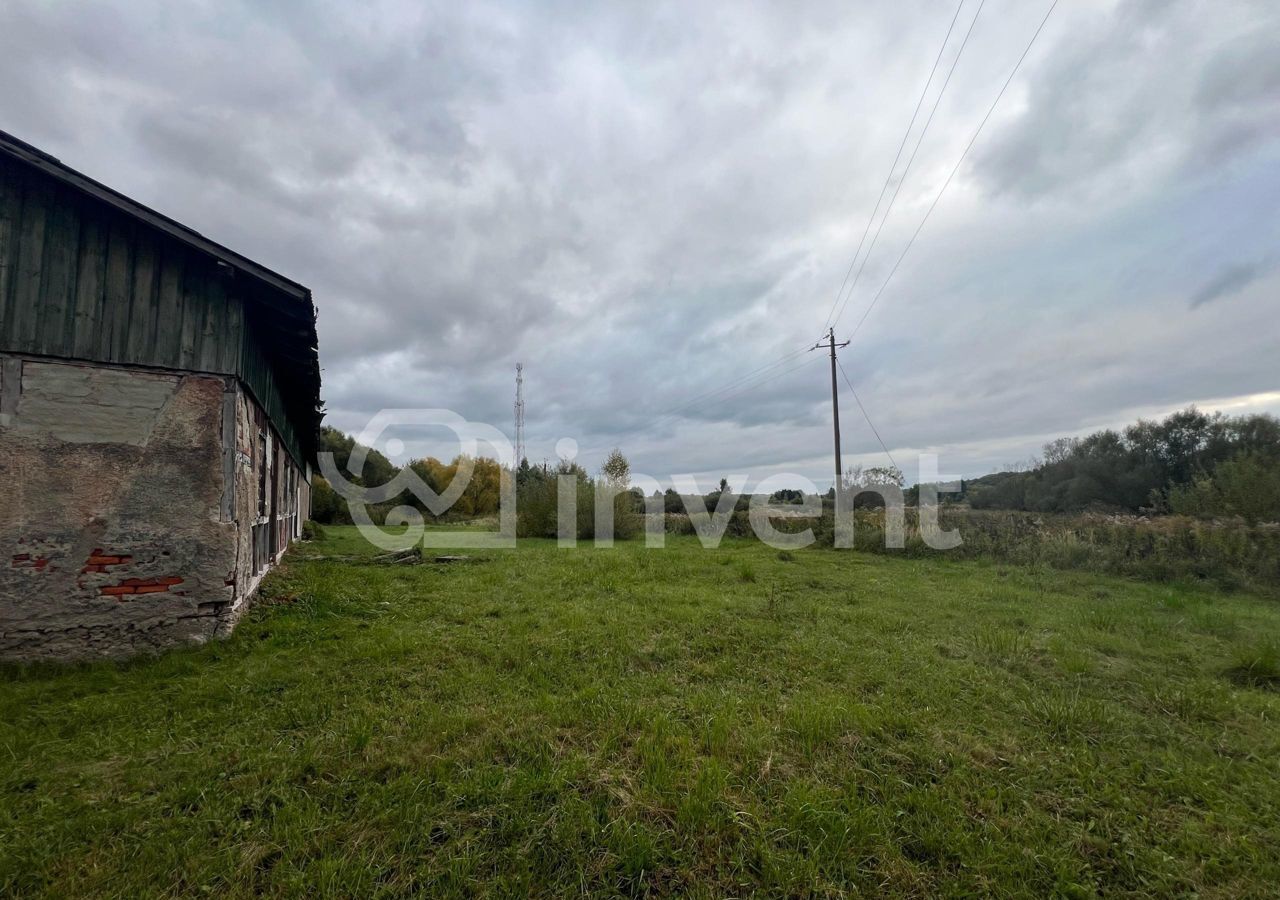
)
(103, 561)
(172, 579)
(151, 589)
(87, 569)
(25, 561)
(117, 590)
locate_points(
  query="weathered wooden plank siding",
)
(79, 280)
(26, 276)
(83, 282)
(142, 302)
(61, 240)
(119, 287)
(257, 374)
(10, 208)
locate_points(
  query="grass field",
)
(546, 722)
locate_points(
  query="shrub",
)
(326, 505)
(1247, 486)
(537, 507)
(679, 523)
(1160, 548)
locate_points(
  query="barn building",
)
(159, 415)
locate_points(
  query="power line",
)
(914, 151)
(956, 168)
(883, 190)
(754, 377)
(773, 365)
(889, 177)
(874, 430)
(709, 395)
(774, 377)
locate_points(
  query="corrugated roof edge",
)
(51, 165)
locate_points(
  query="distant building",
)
(159, 416)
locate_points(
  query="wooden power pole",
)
(831, 345)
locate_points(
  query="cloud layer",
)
(643, 202)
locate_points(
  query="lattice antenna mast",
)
(519, 413)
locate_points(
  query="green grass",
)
(544, 722)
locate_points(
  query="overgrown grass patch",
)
(1257, 664)
(544, 722)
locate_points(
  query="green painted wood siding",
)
(256, 372)
(81, 281)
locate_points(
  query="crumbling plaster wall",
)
(244, 478)
(117, 528)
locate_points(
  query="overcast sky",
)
(644, 202)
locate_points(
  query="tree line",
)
(479, 498)
(1190, 463)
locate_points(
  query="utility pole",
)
(831, 345)
(519, 413)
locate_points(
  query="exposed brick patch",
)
(134, 510)
(99, 561)
(27, 561)
(140, 586)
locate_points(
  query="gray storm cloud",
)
(645, 201)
